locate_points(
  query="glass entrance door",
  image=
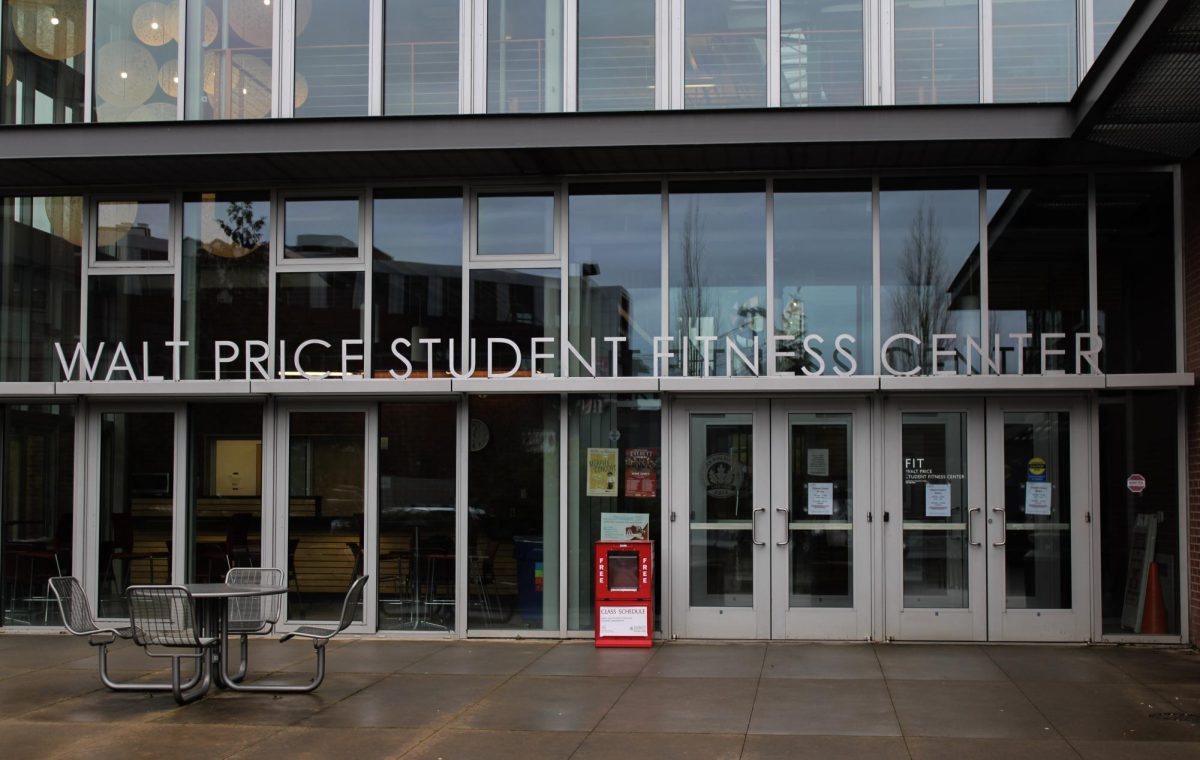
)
(772, 520)
(985, 511)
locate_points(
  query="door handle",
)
(1003, 527)
(969, 523)
(754, 527)
(787, 533)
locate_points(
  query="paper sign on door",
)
(1037, 498)
(818, 463)
(937, 499)
(820, 498)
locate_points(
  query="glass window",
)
(519, 305)
(615, 258)
(1106, 16)
(725, 54)
(823, 276)
(40, 256)
(131, 310)
(929, 269)
(332, 57)
(511, 224)
(937, 51)
(418, 280)
(321, 228)
(229, 45)
(524, 56)
(136, 502)
(635, 487)
(43, 43)
(226, 245)
(1037, 269)
(616, 55)
(820, 541)
(1033, 50)
(418, 459)
(319, 306)
(133, 231)
(512, 523)
(326, 474)
(718, 277)
(1135, 246)
(420, 57)
(225, 489)
(821, 53)
(1138, 436)
(137, 60)
(36, 513)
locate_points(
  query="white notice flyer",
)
(820, 498)
(1037, 498)
(818, 463)
(937, 499)
(623, 621)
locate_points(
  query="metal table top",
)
(222, 590)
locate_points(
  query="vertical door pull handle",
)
(971, 540)
(754, 527)
(787, 531)
(1003, 527)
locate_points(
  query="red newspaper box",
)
(624, 593)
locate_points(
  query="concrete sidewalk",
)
(530, 700)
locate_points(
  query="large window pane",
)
(823, 276)
(937, 51)
(417, 466)
(43, 43)
(224, 489)
(518, 305)
(326, 474)
(717, 277)
(319, 306)
(134, 231)
(616, 275)
(929, 250)
(420, 57)
(226, 247)
(515, 224)
(137, 60)
(1033, 50)
(1106, 16)
(332, 57)
(40, 255)
(524, 55)
(725, 54)
(137, 470)
(418, 280)
(39, 470)
(821, 53)
(1135, 245)
(228, 58)
(512, 490)
(616, 55)
(321, 228)
(131, 310)
(636, 487)
(1138, 435)
(1037, 268)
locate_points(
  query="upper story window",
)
(230, 42)
(616, 55)
(137, 61)
(725, 54)
(524, 55)
(420, 57)
(937, 51)
(820, 53)
(333, 61)
(44, 43)
(1033, 50)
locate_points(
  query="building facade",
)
(871, 314)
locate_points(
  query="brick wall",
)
(1191, 317)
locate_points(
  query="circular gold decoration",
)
(153, 22)
(168, 77)
(115, 220)
(251, 96)
(254, 20)
(65, 213)
(210, 24)
(52, 29)
(126, 73)
(301, 89)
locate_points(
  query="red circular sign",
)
(1136, 483)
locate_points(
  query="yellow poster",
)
(601, 472)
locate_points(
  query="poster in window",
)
(602, 472)
(641, 473)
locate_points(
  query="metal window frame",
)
(167, 266)
(332, 264)
(476, 260)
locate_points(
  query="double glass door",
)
(770, 521)
(985, 520)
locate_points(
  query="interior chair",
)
(320, 636)
(77, 618)
(163, 619)
(252, 615)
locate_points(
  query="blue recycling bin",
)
(531, 578)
